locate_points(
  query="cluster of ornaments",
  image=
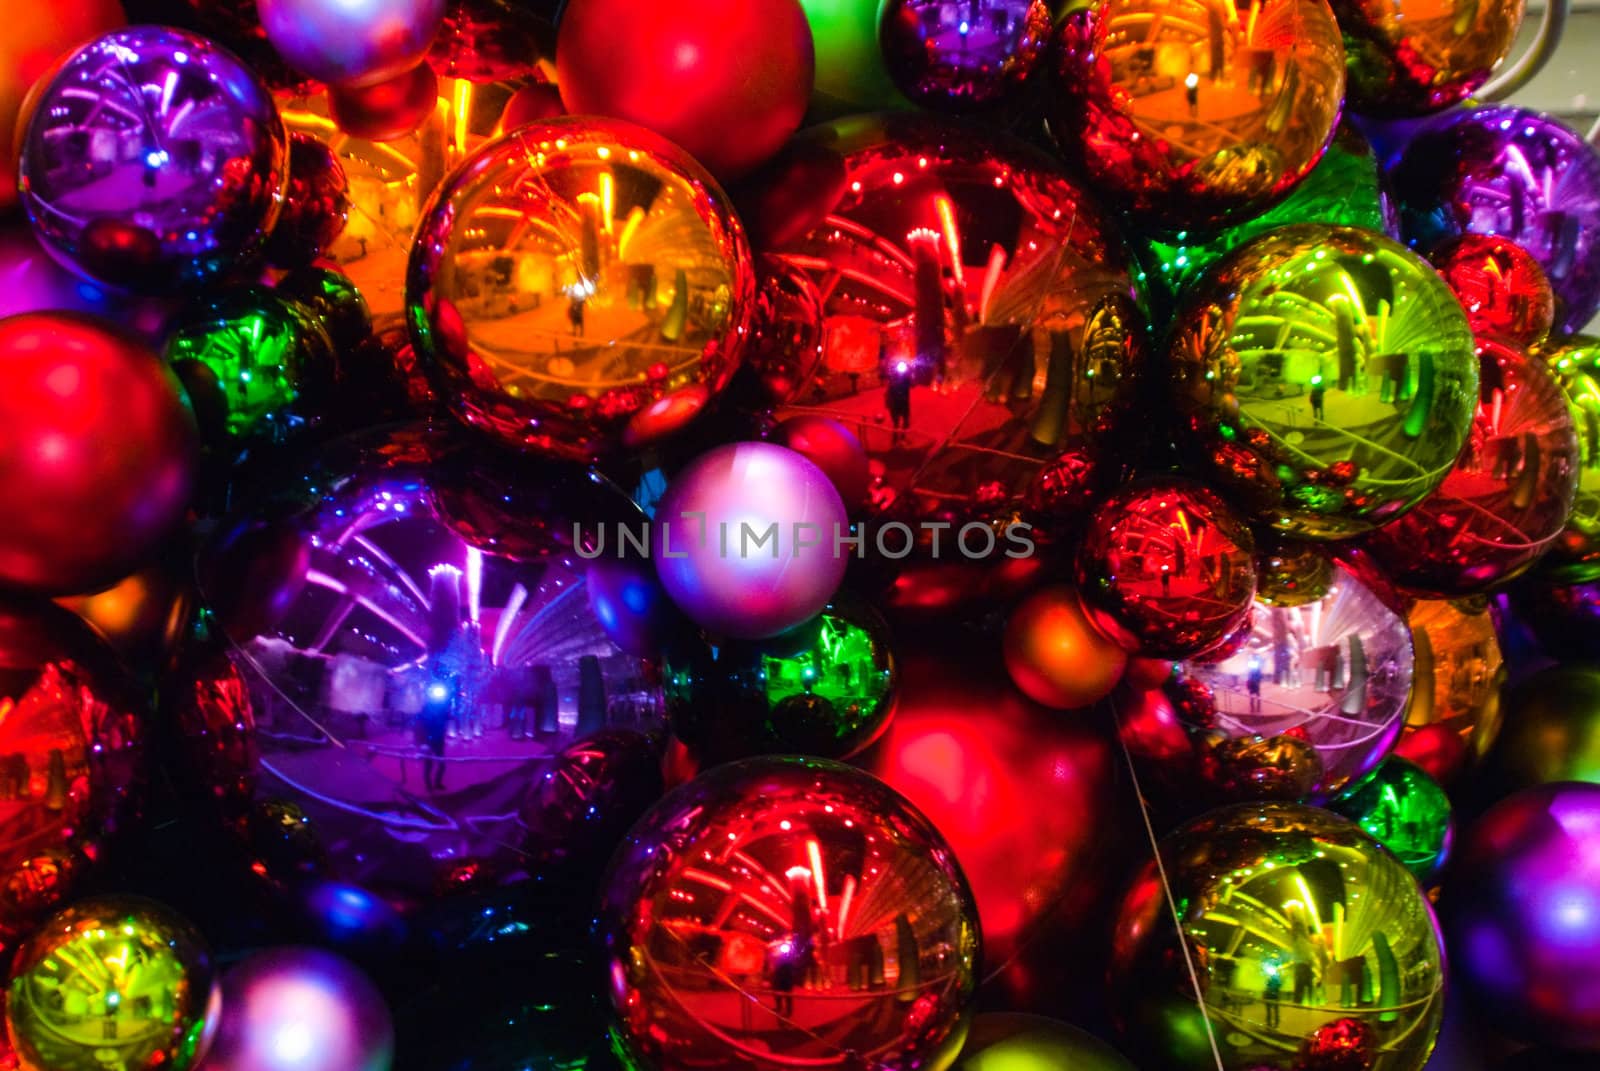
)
(815, 482)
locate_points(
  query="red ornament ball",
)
(98, 456)
(776, 912)
(315, 206)
(1056, 656)
(834, 449)
(530, 104)
(1504, 291)
(1167, 568)
(728, 80)
(387, 110)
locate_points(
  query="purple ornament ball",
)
(352, 42)
(744, 540)
(301, 1009)
(1517, 174)
(1522, 914)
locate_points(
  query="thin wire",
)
(1166, 886)
(1547, 39)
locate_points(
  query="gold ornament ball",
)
(1454, 713)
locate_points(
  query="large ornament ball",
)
(579, 286)
(1406, 58)
(179, 198)
(1327, 377)
(1551, 729)
(1407, 812)
(316, 205)
(1519, 912)
(1517, 174)
(1454, 714)
(728, 80)
(963, 58)
(1056, 655)
(98, 457)
(352, 44)
(1575, 557)
(386, 110)
(1505, 501)
(1203, 115)
(1167, 568)
(301, 1009)
(851, 78)
(866, 937)
(268, 365)
(749, 540)
(1008, 1041)
(116, 975)
(1302, 934)
(834, 449)
(1502, 288)
(1309, 703)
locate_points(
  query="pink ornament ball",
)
(744, 540)
(352, 42)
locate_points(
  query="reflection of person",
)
(1271, 993)
(1304, 979)
(1317, 393)
(1253, 685)
(897, 396)
(437, 707)
(575, 316)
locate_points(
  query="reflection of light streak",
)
(524, 634)
(844, 904)
(390, 819)
(814, 853)
(502, 628)
(461, 108)
(405, 578)
(167, 88)
(336, 585)
(692, 874)
(608, 200)
(991, 279)
(635, 217)
(474, 582)
(952, 236)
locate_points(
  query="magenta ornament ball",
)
(301, 1009)
(744, 540)
(352, 42)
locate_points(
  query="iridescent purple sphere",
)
(154, 159)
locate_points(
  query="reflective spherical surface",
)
(354, 42)
(1326, 681)
(1007, 1041)
(579, 286)
(1300, 931)
(782, 913)
(978, 315)
(154, 159)
(1575, 557)
(1407, 57)
(419, 637)
(316, 204)
(1291, 573)
(1506, 500)
(1552, 728)
(300, 1009)
(1519, 912)
(1454, 713)
(1407, 812)
(1502, 288)
(1513, 173)
(963, 57)
(113, 981)
(1056, 655)
(1168, 567)
(1328, 378)
(1195, 114)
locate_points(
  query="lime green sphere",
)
(1575, 556)
(1008, 1041)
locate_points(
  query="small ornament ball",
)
(1501, 286)
(386, 110)
(963, 57)
(834, 449)
(316, 204)
(1056, 655)
(1407, 812)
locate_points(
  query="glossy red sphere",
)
(1502, 288)
(1167, 568)
(1056, 655)
(834, 449)
(727, 80)
(387, 110)
(315, 206)
(98, 455)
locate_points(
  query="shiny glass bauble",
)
(1454, 713)
(1552, 729)
(1407, 812)
(1056, 655)
(316, 204)
(963, 57)
(1575, 557)
(353, 43)
(1408, 58)
(1502, 288)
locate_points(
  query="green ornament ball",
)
(1407, 812)
(1575, 556)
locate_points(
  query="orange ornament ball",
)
(1056, 656)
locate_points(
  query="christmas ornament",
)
(1301, 935)
(1345, 188)
(1167, 568)
(316, 204)
(979, 318)
(268, 366)
(493, 40)
(1552, 729)
(1575, 556)
(1519, 175)
(828, 692)
(725, 79)
(1518, 912)
(1454, 713)
(388, 110)
(1310, 703)
(1407, 812)
(209, 702)
(300, 1009)
(180, 202)
(850, 75)
(1196, 115)
(98, 457)
(72, 737)
(531, 104)
(1055, 655)
(864, 946)
(1006, 1041)
(963, 57)
(1502, 288)
(714, 524)
(145, 616)
(591, 794)
(612, 321)
(352, 44)
(410, 665)
(1505, 501)
(333, 299)
(32, 281)
(35, 39)
(236, 25)
(834, 449)
(1327, 377)
(1408, 59)
(113, 976)
(1291, 573)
